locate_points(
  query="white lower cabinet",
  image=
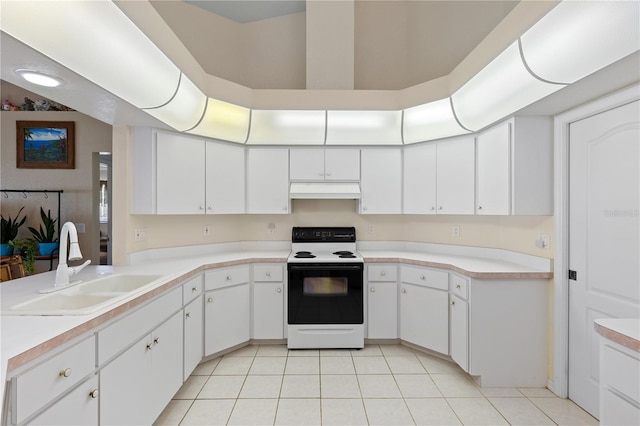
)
(459, 333)
(424, 308)
(78, 407)
(268, 302)
(193, 335)
(619, 390)
(382, 302)
(227, 312)
(138, 384)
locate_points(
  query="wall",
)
(77, 200)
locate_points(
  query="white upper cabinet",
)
(225, 182)
(456, 176)
(268, 180)
(324, 164)
(514, 172)
(419, 179)
(180, 174)
(381, 181)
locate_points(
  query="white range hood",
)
(325, 190)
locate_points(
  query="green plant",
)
(47, 234)
(28, 248)
(9, 227)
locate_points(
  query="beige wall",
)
(77, 200)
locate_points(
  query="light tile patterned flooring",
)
(378, 385)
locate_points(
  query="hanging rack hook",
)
(5, 194)
(24, 194)
(46, 196)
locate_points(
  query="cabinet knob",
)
(65, 373)
(201, 207)
(209, 208)
(210, 299)
(404, 290)
(364, 208)
(479, 207)
(194, 289)
(433, 208)
(156, 340)
(279, 290)
(372, 290)
(383, 273)
(457, 285)
(422, 277)
(328, 173)
(284, 208)
(268, 274)
(94, 393)
(228, 277)
(188, 315)
(453, 303)
(320, 174)
(440, 208)
(149, 346)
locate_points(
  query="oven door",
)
(325, 293)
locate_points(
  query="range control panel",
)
(323, 234)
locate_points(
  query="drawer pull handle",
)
(94, 393)
(373, 290)
(453, 303)
(149, 346)
(210, 299)
(65, 373)
(193, 289)
(188, 314)
(404, 290)
(383, 273)
(279, 290)
(457, 285)
(268, 274)
(156, 340)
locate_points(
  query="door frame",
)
(559, 383)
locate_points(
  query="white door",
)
(225, 178)
(419, 179)
(455, 186)
(603, 237)
(381, 181)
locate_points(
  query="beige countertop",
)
(624, 331)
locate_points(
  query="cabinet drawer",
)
(460, 286)
(191, 289)
(132, 327)
(387, 273)
(620, 371)
(425, 277)
(225, 277)
(39, 385)
(267, 273)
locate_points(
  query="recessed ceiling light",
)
(39, 78)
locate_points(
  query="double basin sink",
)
(86, 297)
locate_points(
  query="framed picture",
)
(45, 144)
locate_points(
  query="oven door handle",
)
(321, 267)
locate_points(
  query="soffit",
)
(398, 43)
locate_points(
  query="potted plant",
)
(9, 231)
(45, 236)
(27, 247)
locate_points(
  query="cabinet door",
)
(306, 164)
(381, 181)
(493, 175)
(268, 181)
(180, 174)
(424, 317)
(227, 315)
(79, 407)
(268, 310)
(342, 164)
(225, 181)
(455, 185)
(166, 365)
(193, 335)
(382, 310)
(124, 386)
(459, 338)
(419, 178)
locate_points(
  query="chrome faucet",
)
(64, 272)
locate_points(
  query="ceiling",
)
(243, 11)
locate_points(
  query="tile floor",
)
(378, 385)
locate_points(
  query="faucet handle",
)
(75, 269)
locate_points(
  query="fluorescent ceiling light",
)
(225, 121)
(287, 127)
(576, 39)
(39, 78)
(426, 122)
(185, 109)
(501, 88)
(98, 41)
(364, 127)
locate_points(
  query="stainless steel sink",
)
(86, 297)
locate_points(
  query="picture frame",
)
(45, 144)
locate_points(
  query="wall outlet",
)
(455, 230)
(206, 231)
(542, 241)
(271, 227)
(371, 229)
(140, 234)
